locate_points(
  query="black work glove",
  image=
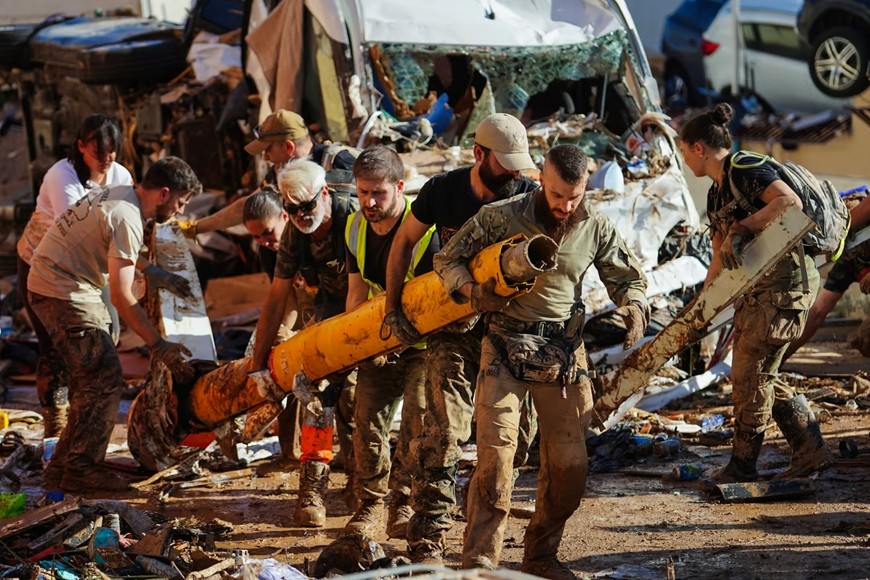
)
(635, 323)
(400, 327)
(172, 355)
(159, 278)
(330, 395)
(732, 246)
(484, 298)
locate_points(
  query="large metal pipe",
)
(341, 342)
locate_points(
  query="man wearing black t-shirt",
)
(447, 201)
(384, 381)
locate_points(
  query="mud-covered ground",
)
(636, 526)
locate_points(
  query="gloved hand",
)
(188, 228)
(732, 245)
(635, 323)
(484, 298)
(160, 278)
(384, 359)
(172, 355)
(284, 333)
(400, 327)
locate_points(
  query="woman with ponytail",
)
(768, 316)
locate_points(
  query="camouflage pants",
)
(764, 324)
(379, 391)
(51, 379)
(452, 364)
(562, 475)
(80, 334)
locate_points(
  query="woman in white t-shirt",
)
(91, 163)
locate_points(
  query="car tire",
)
(833, 49)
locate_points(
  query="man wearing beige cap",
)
(501, 152)
(282, 137)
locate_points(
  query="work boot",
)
(398, 515)
(310, 511)
(478, 562)
(54, 419)
(366, 519)
(549, 567)
(95, 480)
(798, 424)
(744, 456)
(350, 493)
(426, 556)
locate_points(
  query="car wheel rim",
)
(837, 63)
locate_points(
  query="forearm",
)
(397, 265)
(136, 319)
(756, 222)
(278, 309)
(227, 217)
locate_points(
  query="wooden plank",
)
(38, 516)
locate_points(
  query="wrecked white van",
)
(421, 74)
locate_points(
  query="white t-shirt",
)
(72, 260)
(59, 191)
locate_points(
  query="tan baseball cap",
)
(506, 137)
(278, 127)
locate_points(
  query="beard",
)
(309, 223)
(164, 213)
(554, 227)
(503, 186)
(377, 214)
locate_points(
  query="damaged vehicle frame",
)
(571, 70)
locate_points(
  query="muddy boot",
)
(744, 456)
(96, 480)
(798, 424)
(54, 419)
(549, 567)
(398, 515)
(366, 519)
(310, 511)
(350, 493)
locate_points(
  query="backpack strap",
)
(736, 159)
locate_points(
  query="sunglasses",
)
(304, 207)
(259, 134)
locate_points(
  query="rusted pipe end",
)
(529, 259)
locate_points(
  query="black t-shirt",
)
(751, 182)
(268, 259)
(448, 201)
(378, 250)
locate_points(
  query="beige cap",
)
(506, 137)
(278, 127)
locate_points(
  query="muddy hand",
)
(635, 323)
(732, 246)
(160, 278)
(400, 327)
(172, 355)
(484, 298)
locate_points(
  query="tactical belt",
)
(544, 328)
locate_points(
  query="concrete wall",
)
(649, 18)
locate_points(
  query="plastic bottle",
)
(687, 472)
(711, 423)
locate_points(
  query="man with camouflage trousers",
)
(314, 249)
(387, 380)
(95, 242)
(537, 324)
(501, 152)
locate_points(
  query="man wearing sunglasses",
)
(314, 249)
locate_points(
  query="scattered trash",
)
(688, 472)
(348, 554)
(12, 504)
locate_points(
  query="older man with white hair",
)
(314, 250)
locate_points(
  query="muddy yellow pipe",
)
(341, 342)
